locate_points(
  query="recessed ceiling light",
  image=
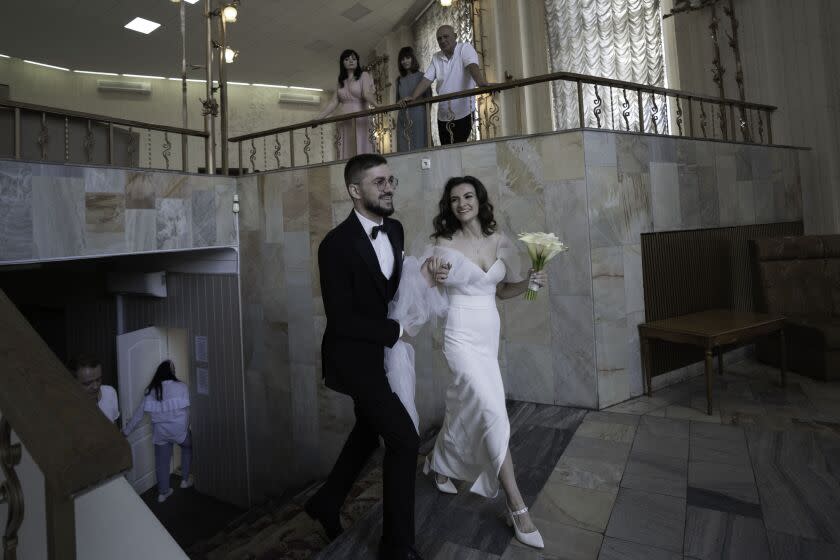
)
(142, 25)
(5, 56)
(47, 65)
(238, 84)
(190, 1)
(270, 85)
(306, 88)
(144, 76)
(96, 73)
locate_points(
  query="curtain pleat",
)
(618, 39)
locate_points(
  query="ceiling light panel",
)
(142, 25)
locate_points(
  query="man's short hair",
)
(358, 165)
(83, 361)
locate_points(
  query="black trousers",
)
(460, 131)
(379, 412)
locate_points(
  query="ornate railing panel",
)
(615, 105)
(58, 135)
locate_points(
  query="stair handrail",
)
(72, 442)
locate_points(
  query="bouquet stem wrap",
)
(542, 247)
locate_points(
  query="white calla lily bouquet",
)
(542, 247)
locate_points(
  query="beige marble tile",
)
(295, 200)
(562, 156)
(570, 273)
(606, 431)
(141, 230)
(172, 185)
(105, 213)
(528, 375)
(608, 290)
(320, 209)
(58, 216)
(141, 189)
(520, 167)
(573, 351)
(571, 505)
(561, 542)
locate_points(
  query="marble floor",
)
(655, 478)
(650, 478)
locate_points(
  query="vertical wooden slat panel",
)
(694, 270)
(208, 305)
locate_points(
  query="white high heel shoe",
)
(533, 538)
(445, 487)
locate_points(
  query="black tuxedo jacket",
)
(356, 297)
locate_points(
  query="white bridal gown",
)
(473, 440)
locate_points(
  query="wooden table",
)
(711, 330)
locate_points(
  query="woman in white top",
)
(167, 401)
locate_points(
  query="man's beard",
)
(375, 208)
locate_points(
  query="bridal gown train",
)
(473, 439)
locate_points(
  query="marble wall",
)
(50, 211)
(577, 345)
(640, 184)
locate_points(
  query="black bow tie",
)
(376, 229)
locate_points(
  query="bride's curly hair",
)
(446, 223)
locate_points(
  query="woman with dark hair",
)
(355, 92)
(412, 122)
(481, 264)
(167, 401)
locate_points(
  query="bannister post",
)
(429, 136)
(110, 143)
(17, 132)
(641, 110)
(769, 126)
(61, 526)
(580, 102)
(690, 119)
(291, 148)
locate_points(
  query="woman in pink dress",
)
(355, 92)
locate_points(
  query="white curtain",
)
(459, 16)
(618, 39)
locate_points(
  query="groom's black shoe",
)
(329, 521)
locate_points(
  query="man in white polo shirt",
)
(454, 68)
(88, 372)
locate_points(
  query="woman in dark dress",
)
(410, 137)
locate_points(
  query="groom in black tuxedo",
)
(360, 262)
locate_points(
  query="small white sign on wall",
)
(201, 349)
(202, 381)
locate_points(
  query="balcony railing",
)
(564, 100)
(596, 103)
(39, 133)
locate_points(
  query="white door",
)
(138, 355)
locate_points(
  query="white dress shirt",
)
(108, 403)
(381, 246)
(452, 76)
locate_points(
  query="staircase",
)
(280, 529)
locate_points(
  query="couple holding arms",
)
(373, 297)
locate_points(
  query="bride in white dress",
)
(483, 264)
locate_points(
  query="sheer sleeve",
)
(415, 302)
(413, 305)
(509, 254)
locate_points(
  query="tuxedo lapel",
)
(397, 248)
(365, 250)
